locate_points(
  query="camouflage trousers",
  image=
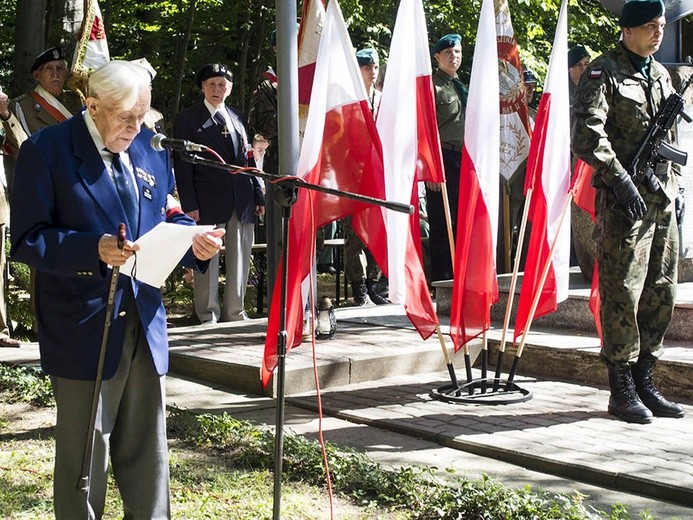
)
(353, 267)
(638, 266)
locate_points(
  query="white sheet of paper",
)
(161, 249)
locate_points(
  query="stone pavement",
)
(561, 439)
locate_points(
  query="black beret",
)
(367, 56)
(639, 12)
(213, 70)
(449, 40)
(52, 54)
(576, 54)
(528, 76)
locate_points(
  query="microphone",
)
(160, 142)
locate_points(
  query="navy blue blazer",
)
(64, 200)
(215, 193)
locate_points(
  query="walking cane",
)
(83, 482)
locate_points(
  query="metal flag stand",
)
(284, 196)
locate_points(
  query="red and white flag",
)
(584, 194)
(515, 130)
(408, 132)
(548, 173)
(91, 50)
(475, 287)
(312, 20)
(341, 150)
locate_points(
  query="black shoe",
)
(373, 295)
(360, 294)
(624, 402)
(643, 377)
(326, 268)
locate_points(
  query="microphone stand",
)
(285, 198)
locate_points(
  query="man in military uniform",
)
(451, 102)
(46, 105)
(637, 243)
(363, 280)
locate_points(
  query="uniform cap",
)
(144, 63)
(52, 54)
(576, 54)
(449, 40)
(213, 70)
(528, 76)
(639, 12)
(367, 56)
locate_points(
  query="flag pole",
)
(535, 302)
(448, 363)
(448, 222)
(511, 291)
(507, 233)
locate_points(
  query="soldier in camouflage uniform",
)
(637, 243)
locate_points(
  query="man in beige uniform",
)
(45, 105)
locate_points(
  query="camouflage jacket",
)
(612, 111)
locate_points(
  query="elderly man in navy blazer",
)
(213, 196)
(76, 182)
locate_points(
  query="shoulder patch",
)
(595, 73)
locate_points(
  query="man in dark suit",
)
(213, 196)
(77, 181)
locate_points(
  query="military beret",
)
(639, 12)
(528, 76)
(449, 40)
(367, 56)
(213, 70)
(576, 54)
(52, 54)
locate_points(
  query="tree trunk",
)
(29, 41)
(181, 53)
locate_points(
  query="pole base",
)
(481, 391)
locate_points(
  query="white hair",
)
(119, 82)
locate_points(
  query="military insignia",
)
(147, 193)
(595, 73)
(215, 68)
(56, 54)
(147, 178)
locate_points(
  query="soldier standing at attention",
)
(363, 280)
(451, 103)
(637, 243)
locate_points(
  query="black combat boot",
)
(643, 377)
(624, 402)
(373, 294)
(360, 294)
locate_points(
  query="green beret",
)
(639, 12)
(213, 70)
(368, 56)
(449, 40)
(576, 54)
(52, 54)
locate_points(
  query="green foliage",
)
(19, 310)
(26, 384)
(410, 490)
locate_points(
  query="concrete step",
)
(574, 313)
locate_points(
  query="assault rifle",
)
(654, 147)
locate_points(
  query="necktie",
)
(226, 131)
(123, 182)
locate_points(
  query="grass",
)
(221, 468)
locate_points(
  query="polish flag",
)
(341, 150)
(408, 131)
(584, 194)
(548, 173)
(312, 20)
(475, 287)
(514, 119)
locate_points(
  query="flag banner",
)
(548, 173)
(408, 132)
(341, 150)
(515, 130)
(309, 32)
(583, 197)
(475, 287)
(91, 50)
